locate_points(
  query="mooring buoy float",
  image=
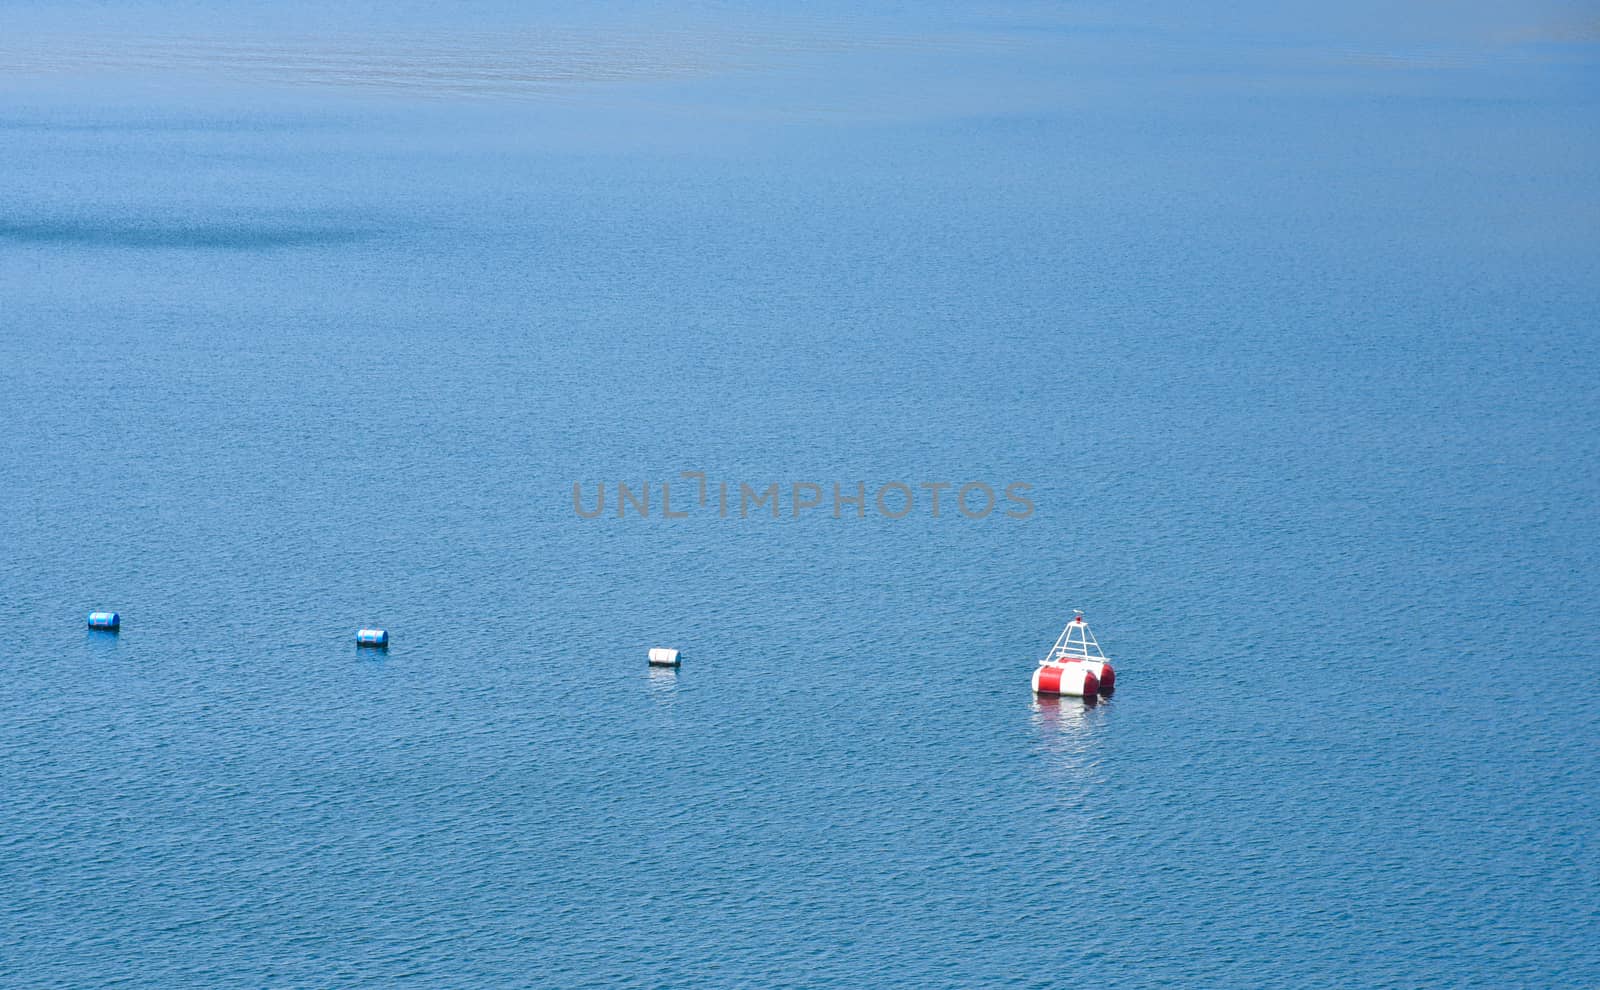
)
(372, 637)
(1072, 679)
(660, 656)
(1075, 665)
(105, 620)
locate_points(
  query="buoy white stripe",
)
(1073, 679)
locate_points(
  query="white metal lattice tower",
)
(1076, 642)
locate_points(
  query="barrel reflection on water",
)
(1069, 731)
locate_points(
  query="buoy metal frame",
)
(1076, 642)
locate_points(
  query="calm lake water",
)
(310, 321)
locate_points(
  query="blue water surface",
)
(312, 320)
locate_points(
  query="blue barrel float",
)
(105, 620)
(372, 637)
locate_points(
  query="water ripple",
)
(249, 235)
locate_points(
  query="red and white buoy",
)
(1073, 679)
(1075, 666)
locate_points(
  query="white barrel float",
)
(372, 637)
(1072, 678)
(660, 656)
(105, 620)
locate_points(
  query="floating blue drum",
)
(372, 637)
(105, 620)
(662, 657)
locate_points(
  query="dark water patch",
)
(227, 235)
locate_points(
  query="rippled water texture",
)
(310, 320)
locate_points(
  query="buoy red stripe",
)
(1050, 680)
(1070, 678)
